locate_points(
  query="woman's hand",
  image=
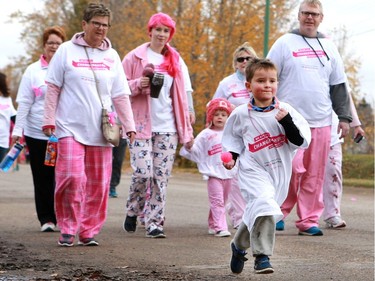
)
(48, 131)
(144, 82)
(14, 140)
(192, 118)
(131, 136)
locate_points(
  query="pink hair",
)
(170, 55)
(164, 19)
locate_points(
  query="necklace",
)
(316, 54)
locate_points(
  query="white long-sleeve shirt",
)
(206, 152)
(30, 99)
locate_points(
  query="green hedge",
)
(358, 166)
(358, 169)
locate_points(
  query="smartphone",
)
(358, 138)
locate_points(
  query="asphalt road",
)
(188, 252)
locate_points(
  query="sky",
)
(355, 16)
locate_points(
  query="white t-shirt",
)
(303, 81)
(206, 152)
(78, 110)
(233, 89)
(6, 112)
(265, 157)
(161, 108)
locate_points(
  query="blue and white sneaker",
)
(238, 259)
(262, 265)
(113, 194)
(312, 231)
(280, 225)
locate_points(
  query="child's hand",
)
(229, 165)
(281, 114)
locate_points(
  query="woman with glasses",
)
(30, 98)
(234, 90)
(161, 122)
(85, 76)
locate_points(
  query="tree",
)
(208, 31)
(352, 65)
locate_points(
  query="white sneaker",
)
(222, 233)
(48, 227)
(335, 222)
(211, 231)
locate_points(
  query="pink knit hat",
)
(216, 104)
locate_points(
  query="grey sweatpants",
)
(261, 239)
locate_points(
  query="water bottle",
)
(51, 151)
(11, 157)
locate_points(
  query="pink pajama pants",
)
(82, 174)
(218, 190)
(152, 162)
(332, 189)
(306, 183)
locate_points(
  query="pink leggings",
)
(218, 191)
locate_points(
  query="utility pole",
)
(266, 28)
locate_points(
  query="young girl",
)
(263, 137)
(206, 152)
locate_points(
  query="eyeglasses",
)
(307, 14)
(242, 59)
(99, 24)
(51, 43)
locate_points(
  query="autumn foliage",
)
(208, 31)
